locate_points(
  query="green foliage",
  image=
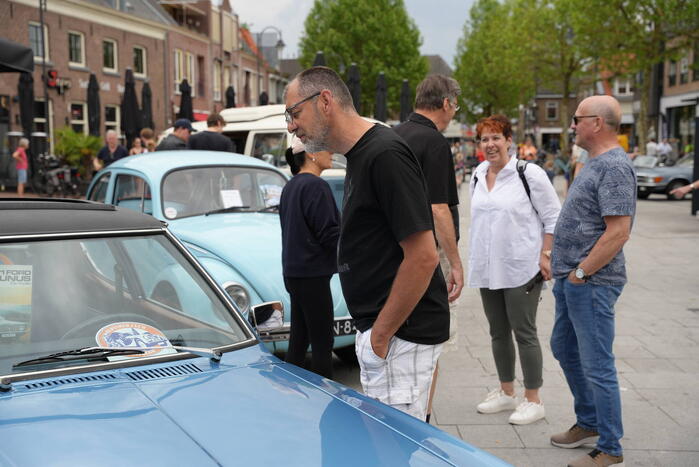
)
(76, 149)
(378, 35)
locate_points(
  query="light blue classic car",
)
(104, 369)
(223, 207)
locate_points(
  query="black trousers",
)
(311, 323)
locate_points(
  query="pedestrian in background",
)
(514, 209)
(136, 147)
(435, 106)
(387, 254)
(182, 129)
(589, 268)
(112, 151)
(148, 138)
(211, 139)
(310, 229)
(21, 164)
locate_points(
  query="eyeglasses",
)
(454, 104)
(287, 113)
(576, 118)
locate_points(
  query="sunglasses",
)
(288, 112)
(576, 118)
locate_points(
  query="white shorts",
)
(403, 379)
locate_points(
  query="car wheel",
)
(643, 194)
(347, 355)
(675, 184)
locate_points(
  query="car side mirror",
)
(267, 317)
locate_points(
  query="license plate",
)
(344, 327)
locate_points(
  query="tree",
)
(77, 149)
(378, 35)
(494, 61)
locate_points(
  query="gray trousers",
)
(514, 310)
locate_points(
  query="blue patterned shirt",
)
(606, 186)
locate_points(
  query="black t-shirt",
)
(386, 202)
(108, 157)
(432, 151)
(210, 141)
(310, 227)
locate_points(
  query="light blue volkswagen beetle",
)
(223, 207)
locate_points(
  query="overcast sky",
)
(440, 21)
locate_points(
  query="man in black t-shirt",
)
(387, 255)
(211, 139)
(112, 151)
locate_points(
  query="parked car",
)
(223, 207)
(99, 368)
(655, 178)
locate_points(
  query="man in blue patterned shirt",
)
(588, 265)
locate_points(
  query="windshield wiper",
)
(228, 209)
(100, 353)
(274, 207)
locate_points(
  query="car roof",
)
(37, 216)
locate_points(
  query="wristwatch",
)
(547, 253)
(580, 274)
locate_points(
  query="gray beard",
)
(316, 145)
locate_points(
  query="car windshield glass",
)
(139, 291)
(687, 161)
(646, 162)
(199, 190)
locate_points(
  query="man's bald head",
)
(606, 107)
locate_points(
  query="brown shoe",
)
(597, 458)
(575, 437)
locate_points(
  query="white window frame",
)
(46, 41)
(45, 120)
(81, 63)
(217, 80)
(189, 69)
(145, 61)
(82, 122)
(179, 57)
(551, 105)
(672, 72)
(684, 69)
(116, 56)
(110, 125)
(626, 84)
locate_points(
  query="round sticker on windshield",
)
(137, 335)
(170, 213)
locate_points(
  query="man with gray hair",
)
(387, 254)
(111, 152)
(588, 264)
(435, 105)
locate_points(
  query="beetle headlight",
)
(239, 295)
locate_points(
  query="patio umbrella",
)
(405, 105)
(93, 106)
(355, 87)
(25, 90)
(230, 97)
(15, 57)
(130, 113)
(320, 59)
(186, 101)
(147, 106)
(380, 109)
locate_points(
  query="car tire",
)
(671, 186)
(347, 355)
(643, 194)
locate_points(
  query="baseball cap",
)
(183, 123)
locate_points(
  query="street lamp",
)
(279, 46)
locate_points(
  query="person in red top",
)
(21, 164)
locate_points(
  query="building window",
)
(76, 48)
(552, 111)
(40, 117)
(78, 117)
(39, 47)
(217, 80)
(695, 64)
(201, 76)
(139, 61)
(684, 69)
(623, 87)
(189, 72)
(109, 55)
(672, 73)
(178, 70)
(111, 118)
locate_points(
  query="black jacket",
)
(171, 142)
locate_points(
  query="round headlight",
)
(239, 295)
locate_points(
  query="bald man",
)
(588, 264)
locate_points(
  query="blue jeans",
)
(581, 341)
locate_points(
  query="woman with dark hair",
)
(310, 230)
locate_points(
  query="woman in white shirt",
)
(509, 258)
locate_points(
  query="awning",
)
(15, 57)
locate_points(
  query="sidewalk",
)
(657, 350)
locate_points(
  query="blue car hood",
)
(235, 412)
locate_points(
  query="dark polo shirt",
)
(385, 202)
(210, 141)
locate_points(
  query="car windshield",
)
(66, 294)
(687, 161)
(646, 162)
(200, 190)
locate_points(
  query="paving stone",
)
(491, 436)
(651, 365)
(669, 380)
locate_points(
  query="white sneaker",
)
(497, 401)
(527, 412)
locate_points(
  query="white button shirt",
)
(506, 233)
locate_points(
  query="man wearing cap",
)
(178, 138)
